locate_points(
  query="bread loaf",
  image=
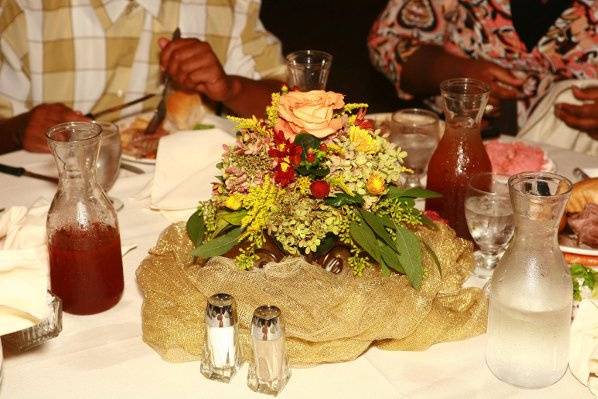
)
(583, 193)
(184, 109)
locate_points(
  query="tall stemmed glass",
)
(417, 132)
(489, 217)
(108, 164)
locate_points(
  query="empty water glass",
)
(417, 132)
(489, 217)
(308, 69)
(108, 164)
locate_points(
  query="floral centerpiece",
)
(313, 175)
(310, 182)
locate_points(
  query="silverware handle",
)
(12, 170)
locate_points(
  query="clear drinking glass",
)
(417, 132)
(531, 292)
(489, 217)
(108, 164)
(84, 250)
(308, 69)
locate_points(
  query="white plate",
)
(218, 122)
(567, 245)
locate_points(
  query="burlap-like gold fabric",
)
(329, 318)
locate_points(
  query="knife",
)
(18, 171)
(132, 168)
(95, 115)
(160, 112)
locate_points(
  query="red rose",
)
(319, 189)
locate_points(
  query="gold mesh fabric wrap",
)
(329, 318)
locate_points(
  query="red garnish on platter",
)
(319, 189)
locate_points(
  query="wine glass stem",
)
(490, 259)
(413, 180)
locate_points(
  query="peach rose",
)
(310, 112)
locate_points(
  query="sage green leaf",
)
(203, 126)
(341, 199)
(390, 257)
(428, 222)
(306, 141)
(410, 255)
(433, 255)
(219, 245)
(414, 192)
(196, 228)
(377, 225)
(326, 244)
(365, 238)
(235, 217)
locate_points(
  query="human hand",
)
(582, 117)
(43, 117)
(504, 85)
(192, 64)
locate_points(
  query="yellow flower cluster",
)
(363, 140)
(259, 202)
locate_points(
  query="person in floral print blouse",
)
(518, 47)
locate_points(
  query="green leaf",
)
(377, 225)
(433, 255)
(219, 245)
(306, 141)
(365, 238)
(428, 222)
(390, 258)
(414, 192)
(203, 126)
(326, 244)
(410, 255)
(235, 217)
(341, 199)
(196, 228)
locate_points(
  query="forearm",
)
(250, 97)
(11, 133)
(427, 67)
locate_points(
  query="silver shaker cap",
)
(266, 324)
(221, 311)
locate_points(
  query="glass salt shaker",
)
(221, 351)
(269, 370)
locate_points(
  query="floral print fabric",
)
(484, 29)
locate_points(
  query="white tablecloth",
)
(103, 356)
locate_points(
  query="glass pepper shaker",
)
(269, 371)
(221, 352)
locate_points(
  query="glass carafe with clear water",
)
(531, 291)
(86, 269)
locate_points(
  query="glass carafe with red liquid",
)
(86, 269)
(460, 153)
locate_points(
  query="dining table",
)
(104, 356)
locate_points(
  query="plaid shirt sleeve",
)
(253, 52)
(14, 77)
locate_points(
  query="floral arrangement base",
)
(329, 317)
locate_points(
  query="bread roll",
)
(184, 109)
(583, 193)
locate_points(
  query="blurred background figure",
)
(520, 48)
(59, 61)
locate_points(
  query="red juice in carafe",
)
(86, 269)
(459, 155)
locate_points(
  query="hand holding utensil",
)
(160, 112)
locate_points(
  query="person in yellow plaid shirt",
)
(60, 59)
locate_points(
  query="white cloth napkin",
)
(23, 267)
(185, 168)
(583, 351)
(544, 127)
